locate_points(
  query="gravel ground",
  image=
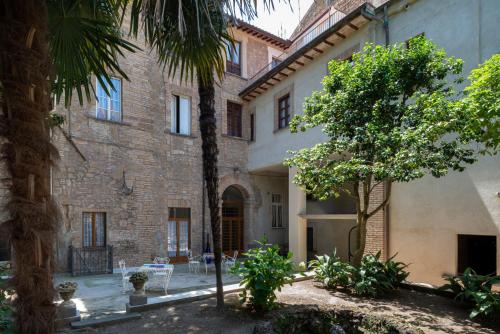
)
(433, 314)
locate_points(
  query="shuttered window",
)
(181, 115)
(277, 211)
(284, 111)
(234, 119)
(94, 229)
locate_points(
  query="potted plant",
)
(138, 280)
(67, 290)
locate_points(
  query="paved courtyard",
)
(99, 295)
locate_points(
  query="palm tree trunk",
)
(210, 151)
(26, 150)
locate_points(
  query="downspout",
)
(203, 215)
(386, 25)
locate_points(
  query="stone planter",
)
(66, 295)
(138, 287)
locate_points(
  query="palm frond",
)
(85, 39)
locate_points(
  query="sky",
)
(284, 19)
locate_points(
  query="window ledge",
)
(279, 228)
(236, 75)
(234, 137)
(108, 121)
(281, 129)
(179, 134)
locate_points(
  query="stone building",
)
(130, 173)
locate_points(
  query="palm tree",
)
(45, 46)
(190, 38)
(53, 47)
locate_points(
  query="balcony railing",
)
(341, 9)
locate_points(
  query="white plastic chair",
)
(126, 285)
(193, 262)
(229, 261)
(161, 260)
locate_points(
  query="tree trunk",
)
(27, 152)
(210, 151)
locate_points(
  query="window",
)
(109, 107)
(233, 58)
(277, 210)
(478, 252)
(181, 115)
(252, 127)
(275, 62)
(233, 119)
(178, 233)
(94, 229)
(284, 111)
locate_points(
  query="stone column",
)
(297, 226)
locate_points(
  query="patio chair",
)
(193, 262)
(126, 285)
(229, 261)
(161, 260)
(208, 261)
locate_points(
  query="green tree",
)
(482, 101)
(390, 116)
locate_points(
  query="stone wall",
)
(164, 169)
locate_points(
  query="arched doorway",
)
(232, 220)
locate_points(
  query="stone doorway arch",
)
(232, 227)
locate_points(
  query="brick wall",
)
(376, 227)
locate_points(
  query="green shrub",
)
(263, 272)
(476, 289)
(331, 271)
(374, 277)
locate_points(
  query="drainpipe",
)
(203, 215)
(386, 25)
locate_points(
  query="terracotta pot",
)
(138, 285)
(66, 295)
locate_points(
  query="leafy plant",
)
(67, 286)
(331, 271)
(476, 289)
(138, 277)
(264, 272)
(375, 277)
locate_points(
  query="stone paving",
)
(100, 295)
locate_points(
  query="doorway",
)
(232, 220)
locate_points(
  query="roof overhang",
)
(261, 34)
(306, 54)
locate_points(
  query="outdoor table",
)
(158, 275)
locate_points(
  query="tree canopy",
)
(389, 114)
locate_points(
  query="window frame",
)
(178, 219)
(286, 110)
(231, 66)
(108, 97)
(234, 117)
(276, 207)
(94, 230)
(175, 126)
(252, 127)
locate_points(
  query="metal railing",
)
(90, 260)
(346, 6)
